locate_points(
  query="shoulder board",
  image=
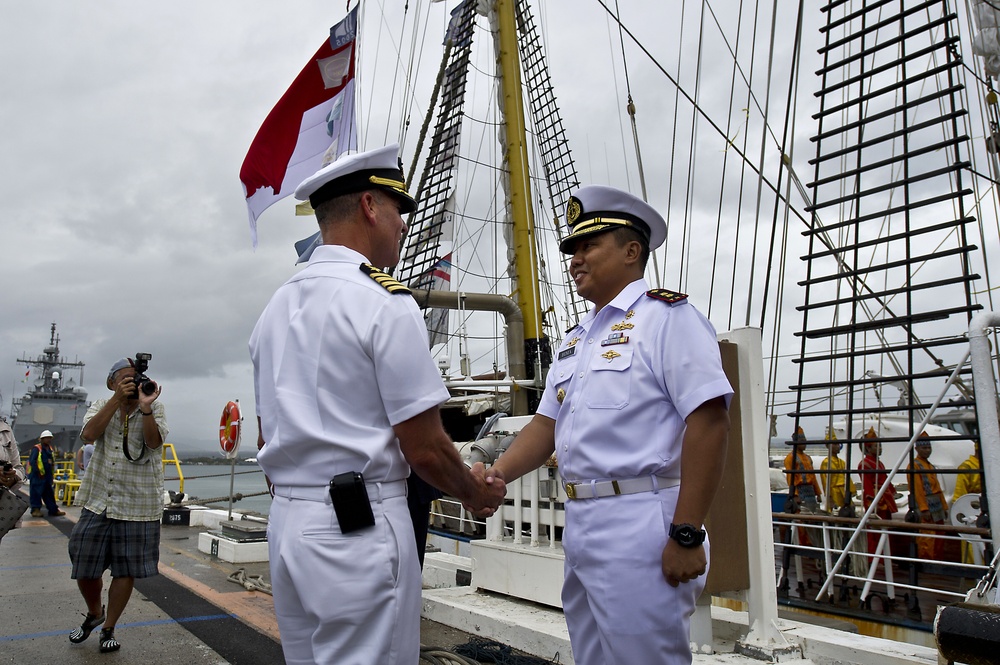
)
(386, 282)
(669, 297)
(572, 328)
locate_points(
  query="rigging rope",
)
(673, 137)
(686, 240)
(621, 127)
(249, 582)
(746, 139)
(722, 185)
(701, 112)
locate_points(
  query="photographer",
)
(121, 494)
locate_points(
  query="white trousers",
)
(344, 599)
(618, 607)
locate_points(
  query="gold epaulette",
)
(385, 281)
(669, 297)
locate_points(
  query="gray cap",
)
(119, 364)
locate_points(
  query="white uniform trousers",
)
(344, 599)
(619, 608)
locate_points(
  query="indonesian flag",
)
(309, 127)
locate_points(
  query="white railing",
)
(544, 495)
(831, 529)
(447, 510)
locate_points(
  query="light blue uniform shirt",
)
(623, 382)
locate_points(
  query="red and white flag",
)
(436, 319)
(309, 127)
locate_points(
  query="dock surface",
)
(189, 614)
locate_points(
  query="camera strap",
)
(125, 443)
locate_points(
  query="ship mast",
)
(49, 362)
(515, 151)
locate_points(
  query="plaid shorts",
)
(129, 549)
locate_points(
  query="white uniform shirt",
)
(338, 360)
(623, 382)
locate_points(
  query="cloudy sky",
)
(125, 124)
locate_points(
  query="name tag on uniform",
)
(566, 353)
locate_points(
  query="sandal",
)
(90, 622)
(108, 641)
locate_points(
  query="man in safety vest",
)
(41, 472)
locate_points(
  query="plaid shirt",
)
(131, 491)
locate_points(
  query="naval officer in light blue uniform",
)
(345, 384)
(636, 409)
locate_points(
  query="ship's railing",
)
(539, 521)
(449, 514)
(823, 537)
(533, 511)
(169, 455)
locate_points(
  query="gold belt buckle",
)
(571, 490)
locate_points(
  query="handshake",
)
(489, 491)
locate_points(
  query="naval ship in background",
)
(54, 402)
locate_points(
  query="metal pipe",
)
(513, 321)
(986, 411)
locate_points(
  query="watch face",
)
(686, 535)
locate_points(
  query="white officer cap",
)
(44, 434)
(375, 169)
(596, 208)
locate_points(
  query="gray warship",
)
(55, 402)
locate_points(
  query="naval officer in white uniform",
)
(346, 389)
(636, 409)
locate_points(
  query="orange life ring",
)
(229, 427)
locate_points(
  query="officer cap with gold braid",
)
(596, 209)
(373, 169)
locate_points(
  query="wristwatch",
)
(686, 535)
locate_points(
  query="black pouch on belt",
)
(350, 501)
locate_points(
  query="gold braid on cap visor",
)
(394, 185)
(601, 223)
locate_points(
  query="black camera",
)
(8, 467)
(143, 382)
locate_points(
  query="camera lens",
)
(148, 387)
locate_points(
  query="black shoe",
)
(90, 622)
(108, 641)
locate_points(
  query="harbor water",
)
(211, 481)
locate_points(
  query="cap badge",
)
(560, 395)
(573, 210)
(610, 355)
